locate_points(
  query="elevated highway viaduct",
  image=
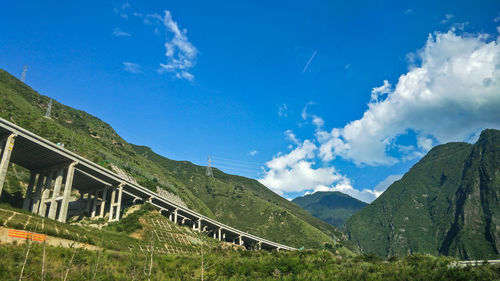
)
(55, 173)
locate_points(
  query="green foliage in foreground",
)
(228, 265)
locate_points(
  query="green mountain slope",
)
(245, 203)
(447, 204)
(233, 200)
(332, 207)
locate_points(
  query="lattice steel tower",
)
(49, 109)
(23, 75)
(209, 168)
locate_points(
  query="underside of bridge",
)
(63, 184)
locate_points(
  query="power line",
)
(234, 160)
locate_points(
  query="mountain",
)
(447, 204)
(332, 207)
(237, 201)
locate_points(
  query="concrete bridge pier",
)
(6, 147)
(47, 200)
(99, 205)
(115, 204)
(29, 191)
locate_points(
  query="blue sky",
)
(304, 96)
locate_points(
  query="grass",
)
(231, 265)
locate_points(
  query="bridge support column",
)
(68, 184)
(219, 234)
(259, 246)
(29, 192)
(199, 225)
(175, 216)
(240, 241)
(42, 209)
(94, 205)
(87, 203)
(116, 200)
(103, 202)
(6, 150)
(38, 192)
(55, 195)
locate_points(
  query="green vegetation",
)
(332, 207)
(447, 204)
(229, 265)
(237, 201)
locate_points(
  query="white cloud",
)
(120, 33)
(408, 11)
(304, 114)
(253, 152)
(309, 62)
(291, 137)
(132, 67)
(294, 172)
(446, 19)
(450, 96)
(283, 110)
(122, 11)
(318, 121)
(180, 53)
(378, 92)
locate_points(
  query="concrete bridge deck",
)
(55, 172)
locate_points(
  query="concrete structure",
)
(56, 174)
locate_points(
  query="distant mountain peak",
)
(333, 207)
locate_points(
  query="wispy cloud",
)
(132, 67)
(122, 10)
(180, 53)
(253, 152)
(120, 33)
(304, 110)
(309, 62)
(446, 19)
(408, 11)
(291, 136)
(283, 110)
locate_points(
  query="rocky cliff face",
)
(447, 204)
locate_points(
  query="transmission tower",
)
(209, 169)
(23, 75)
(49, 109)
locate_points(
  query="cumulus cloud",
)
(132, 67)
(452, 95)
(117, 32)
(294, 172)
(180, 53)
